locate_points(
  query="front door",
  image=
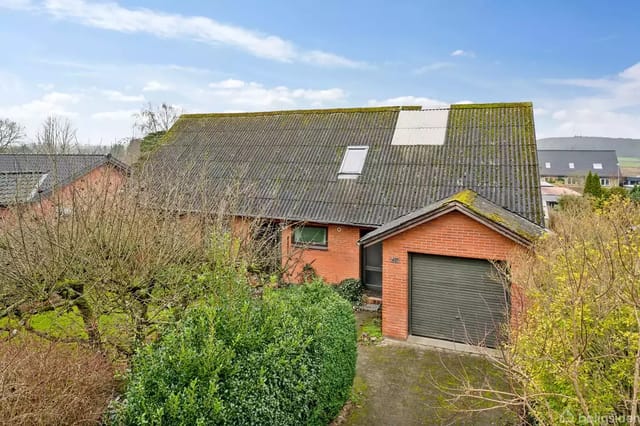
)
(372, 268)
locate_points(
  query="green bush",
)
(351, 289)
(286, 359)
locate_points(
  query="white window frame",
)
(572, 165)
(352, 171)
(547, 165)
(604, 181)
(597, 166)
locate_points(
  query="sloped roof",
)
(468, 202)
(583, 161)
(23, 176)
(288, 161)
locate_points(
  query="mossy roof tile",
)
(290, 161)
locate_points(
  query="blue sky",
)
(99, 62)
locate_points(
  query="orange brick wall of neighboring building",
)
(103, 178)
(339, 260)
(453, 234)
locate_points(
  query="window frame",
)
(597, 166)
(547, 164)
(310, 244)
(605, 181)
(572, 165)
(351, 174)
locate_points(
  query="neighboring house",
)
(416, 203)
(32, 178)
(551, 194)
(571, 167)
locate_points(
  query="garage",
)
(456, 299)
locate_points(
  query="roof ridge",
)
(27, 154)
(305, 111)
(525, 104)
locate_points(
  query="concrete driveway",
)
(399, 384)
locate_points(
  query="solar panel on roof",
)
(428, 127)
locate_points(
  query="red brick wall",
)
(453, 234)
(103, 178)
(340, 260)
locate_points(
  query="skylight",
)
(597, 166)
(547, 165)
(353, 162)
(572, 166)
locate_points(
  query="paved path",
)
(402, 385)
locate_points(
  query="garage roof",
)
(469, 203)
(288, 162)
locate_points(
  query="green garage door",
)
(456, 299)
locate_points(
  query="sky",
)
(99, 62)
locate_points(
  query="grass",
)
(369, 327)
(629, 161)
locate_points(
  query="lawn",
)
(405, 385)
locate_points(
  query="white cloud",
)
(114, 17)
(252, 95)
(118, 115)
(116, 96)
(611, 109)
(227, 84)
(540, 112)
(410, 100)
(16, 4)
(156, 86)
(460, 52)
(432, 67)
(52, 103)
(319, 57)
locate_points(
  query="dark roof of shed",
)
(290, 161)
(23, 176)
(467, 201)
(583, 161)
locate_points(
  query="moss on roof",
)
(495, 214)
(303, 111)
(494, 105)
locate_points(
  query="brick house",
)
(33, 179)
(418, 204)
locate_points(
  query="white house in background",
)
(551, 194)
(571, 167)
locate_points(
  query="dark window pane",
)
(316, 235)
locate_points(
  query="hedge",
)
(286, 359)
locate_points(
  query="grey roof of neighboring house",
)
(467, 201)
(583, 161)
(24, 176)
(287, 162)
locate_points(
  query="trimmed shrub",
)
(286, 359)
(351, 289)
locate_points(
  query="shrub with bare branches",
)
(575, 354)
(52, 383)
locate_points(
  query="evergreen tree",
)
(592, 185)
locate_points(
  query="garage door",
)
(456, 299)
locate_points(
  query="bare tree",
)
(57, 135)
(154, 119)
(10, 132)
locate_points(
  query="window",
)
(575, 180)
(572, 166)
(353, 162)
(310, 235)
(604, 181)
(547, 165)
(597, 166)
